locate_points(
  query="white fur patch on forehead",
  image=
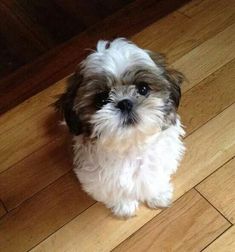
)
(116, 57)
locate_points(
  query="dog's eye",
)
(101, 99)
(143, 88)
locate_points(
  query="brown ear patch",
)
(175, 79)
(65, 104)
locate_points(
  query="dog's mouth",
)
(130, 119)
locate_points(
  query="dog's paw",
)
(163, 200)
(125, 210)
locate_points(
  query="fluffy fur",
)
(121, 108)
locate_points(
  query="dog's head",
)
(121, 89)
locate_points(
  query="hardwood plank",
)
(185, 33)
(49, 210)
(219, 190)
(2, 209)
(194, 8)
(208, 98)
(190, 225)
(53, 19)
(218, 146)
(31, 106)
(35, 115)
(40, 131)
(62, 61)
(8, 60)
(23, 41)
(91, 12)
(225, 243)
(197, 65)
(35, 172)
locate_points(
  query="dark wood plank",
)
(8, 60)
(2, 209)
(62, 61)
(91, 11)
(60, 25)
(21, 35)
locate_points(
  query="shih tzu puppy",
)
(121, 107)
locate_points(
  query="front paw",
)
(162, 200)
(125, 210)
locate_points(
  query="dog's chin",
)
(132, 136)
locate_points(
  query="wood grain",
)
(198, 63)
(35, 172)
(49, 210)
(190, 225)
(218, 146)
(208, 98)
(185, 32)
(225, 243)
(9, 61)
(39, 130)
(32, 106)
(219, 190)
(28, 46)
(2, 209)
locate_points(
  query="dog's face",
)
(120, 91)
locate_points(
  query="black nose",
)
(125, 105)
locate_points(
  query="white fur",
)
(120, 180)
(120, 56)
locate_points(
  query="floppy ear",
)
(65, 104)
(175, 79)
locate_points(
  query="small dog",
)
(121, 107)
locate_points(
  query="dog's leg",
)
(162, 198)
(125, 208)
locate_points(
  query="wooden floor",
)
(42, 206)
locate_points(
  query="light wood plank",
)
(93, 226)
(2, 209)
(219, 189)
(31, 107)
(225, 243)
(176, 34)
(40, 127)
(35, 172)
(208, 57)
(49, 210)
(208, 98)
(190, 225)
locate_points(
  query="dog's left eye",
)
(101, 99)
(143, 88)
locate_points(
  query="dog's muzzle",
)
(125, 106)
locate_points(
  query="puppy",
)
(121, 107)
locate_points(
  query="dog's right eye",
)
(101, 99)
